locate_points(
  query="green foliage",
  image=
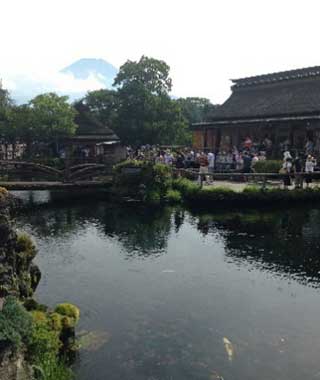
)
(103, 105)
(186, 187)
(146, 113)
(53, 116)
(173, 196)
(70, 311)
(149, 73)
(44, 340)
(250, 196)
(149, 181)
(15, 323)
(53, 369)
(25, 244)
(268, 166)
(196, 110)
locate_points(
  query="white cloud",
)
(26, 86)
(205, 42)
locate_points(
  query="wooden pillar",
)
(67, 164)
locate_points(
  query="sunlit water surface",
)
(160, 289)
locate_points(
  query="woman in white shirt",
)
(309, 168)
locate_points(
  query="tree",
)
(52, 117)
(149, 73)
(5, 105)
(146, 113)
(103, 104)
(196, 110)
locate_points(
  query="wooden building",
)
(283, 107)
(93, 140)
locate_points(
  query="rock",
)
(13, 365)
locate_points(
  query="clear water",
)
(160, 289)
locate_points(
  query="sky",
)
(205, 42)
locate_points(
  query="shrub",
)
(15, 323)
(150, 183)
(268, 166)
(25, 244)
(185, 186)
(173, 196)
(70, 311)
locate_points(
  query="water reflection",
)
(160, 288)
(286, 242)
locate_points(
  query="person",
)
(309, 168)
(286, 155)
(203, 166)
(180, 161)
(239, 163)
(297, 169)
(159, 159)
(168, 158)
(309, 147)
(247, 143)
(247, 162)
(254, 160)
(211, 159)
(286, 169)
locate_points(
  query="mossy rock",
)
(32, 305)
(26, 245)
(55, 321)
(70, 311)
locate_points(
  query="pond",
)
(172, 294)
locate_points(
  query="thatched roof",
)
(286, 94)
(90, 128)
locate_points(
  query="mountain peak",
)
(82, 68)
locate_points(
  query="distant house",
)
(283, 107)
(93, 140)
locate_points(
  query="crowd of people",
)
(294, 167)
(205, 161)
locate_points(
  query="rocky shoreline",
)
(33, 338)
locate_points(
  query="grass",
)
(251, 195)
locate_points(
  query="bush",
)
(185, 186)
(150, 183)
(70, 311)
(26, 245)
(15, 323)
(268, 166)
(173, 196)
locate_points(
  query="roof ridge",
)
(277, 76)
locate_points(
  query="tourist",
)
(168, 158)
(309, 147)
(254, 160)
(159, 159)
(247, 143)
(239, 163)
(211, 159)
(309, 168)
(287, 155)
(203, 166)
(247, 162)
(286, 170)
(297, 169)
